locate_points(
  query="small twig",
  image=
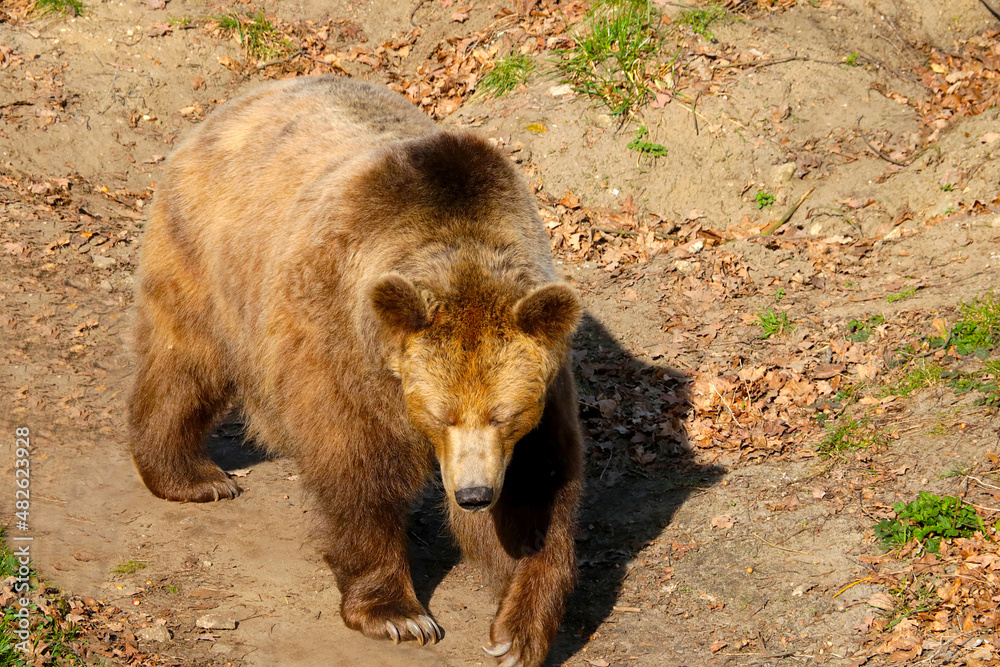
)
(772, 544)
(764, 62)
(877, 151)
(420, 4)
(773, 227)
(694, 112)
(851, 585)
(983, 483)
(990, 10)
(630, 232)
(277, 61)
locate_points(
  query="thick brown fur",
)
(378, 295)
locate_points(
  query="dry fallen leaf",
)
(723, 522)
(882, 601)
(159, 30)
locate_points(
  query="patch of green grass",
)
(848, 434)
(700, 18)
(899, 296)
(986, 382)
(849, 392)
(129, 567)
(181, 21)
(852, 60)
(609, 61)
(507, 74)
(47, 631)
(928, 520)
(640, 144)
(957, 470)
(978, 330)
(861, 330)
(72, 7)
(773, 324)
(921, 376)
(779, 294)
(763, 199)
(914, 598)
(256, 34)
(948, 187)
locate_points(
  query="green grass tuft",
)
(73, 7)
(860, 331)
(921, 376)
(49, 634)
(978, 330)
(609, 61)
(699, 19)
(507, 74)
(848, 435)
(256, 34)
(129, 567)
(773, 324)
(899, 296)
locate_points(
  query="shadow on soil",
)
(623, 514)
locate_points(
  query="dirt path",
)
(713, 531)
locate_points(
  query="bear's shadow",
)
(620, 514)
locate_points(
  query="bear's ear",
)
(550, 312)
(399, 305)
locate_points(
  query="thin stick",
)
(694, 113)
(851, 585)
(277, 61)
(877, 151)
(772, 544)
(983, 483)
(773, 227)
(629, 232)
(414, 13)
(762, 63)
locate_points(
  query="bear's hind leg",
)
(174, 401)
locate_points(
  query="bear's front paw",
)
(423, 628)
(198, 482)
(392, 622)
(517, 650)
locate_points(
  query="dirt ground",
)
(713, 532)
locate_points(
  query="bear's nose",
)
(474, 497)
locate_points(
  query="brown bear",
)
(378, 294)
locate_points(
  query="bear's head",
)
(475, 370)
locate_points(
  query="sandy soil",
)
(709, 553)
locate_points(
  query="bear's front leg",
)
(365, 512)
(525, 543)
(533, 601)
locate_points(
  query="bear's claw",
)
(424, 629)
(393, 632)
(498, 651)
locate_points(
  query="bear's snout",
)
(474, 498)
